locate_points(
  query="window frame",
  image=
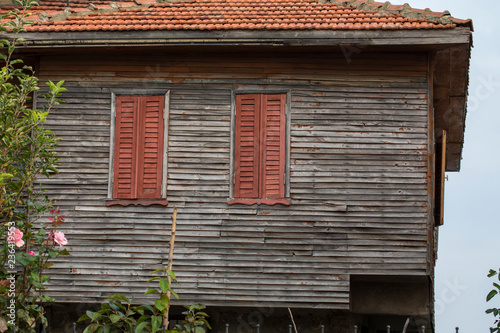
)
(110, 200)
(270, 201)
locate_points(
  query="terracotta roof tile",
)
(108, 15)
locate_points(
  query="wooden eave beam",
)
(437, 38)
(451, 78)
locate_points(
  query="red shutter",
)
(150, 147)
(138, 157)
(125, 157)
(247, 159)
(273, 134)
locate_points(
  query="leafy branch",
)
(494, 292)
(27, 151)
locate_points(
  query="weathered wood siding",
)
(358, 178)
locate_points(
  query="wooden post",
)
(170, 263)
(293, 321)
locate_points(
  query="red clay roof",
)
(106, 15)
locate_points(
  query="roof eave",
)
(450, 91)
(433, 37)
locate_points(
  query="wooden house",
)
(303, 142)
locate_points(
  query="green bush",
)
(26, 153)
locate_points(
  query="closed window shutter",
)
(138, 160)
(273, 146)
(125, 157)
(260, 146)
(150, 147)
(247, 142)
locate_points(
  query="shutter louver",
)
(125, 157)
(273, 146)
(247, 141)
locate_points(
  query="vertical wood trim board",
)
(440, 179)
(166, 113)
(111, 145)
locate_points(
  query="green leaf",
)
(492, 294)
(172, 275)
(16, 61)
(48, 264)
(35, 276)
(120, 297)
(91, 328)
(117, 306)
(156, 323)
(82, 318)
(90, 314)
(199, 330)
(160, 304)
(140, 327)
(146, 307)
(143, 318)
(151, 291)
(4, 42)
(114, 318)
(206, 323)
(195, 307)
(164, 285)
(25, 259)
(64, 252)
(96, 315)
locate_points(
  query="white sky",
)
(469, 241)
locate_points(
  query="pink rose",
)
(32, 253)
(60, 239)
(18, 237)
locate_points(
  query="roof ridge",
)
(406, 10)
